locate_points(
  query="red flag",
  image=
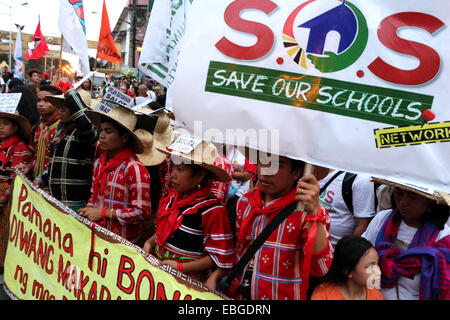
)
(106, 49)
(38, 48)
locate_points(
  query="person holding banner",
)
(192, 229)
(120, 195)
(412, 241)
(14, 153)
(69, 174)
(278, 270)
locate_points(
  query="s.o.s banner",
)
(354, 85)
(54, 254)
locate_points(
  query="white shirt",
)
(237, 160)
(342, 221)
(408, 289)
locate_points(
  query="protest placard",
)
(351, 85)
(9, 102)
(112, 98)
(55, 254)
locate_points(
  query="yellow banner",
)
(54, 254)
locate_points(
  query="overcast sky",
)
(48, 11)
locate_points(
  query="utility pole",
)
(133, 33)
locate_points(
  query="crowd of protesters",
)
(353, 239)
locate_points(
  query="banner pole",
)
(60, 51)
(308, 170)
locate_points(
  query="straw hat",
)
(24, 125)
(204, 155)
(60, 99)
(151, 156)
(438, 196)
(163, 131)
(125, 118)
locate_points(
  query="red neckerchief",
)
(107, 166)
(5, 145)
(258, 208)
(169, 219)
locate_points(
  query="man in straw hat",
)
(413, 241)
(69, 173)
(299, 247)
(120, 197)
(193, 233)
(14, 153)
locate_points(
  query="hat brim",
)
(136, 143)
(152, 156)
(438, 196)
(219, 174)
(24, 125)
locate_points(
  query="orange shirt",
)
(330, 291)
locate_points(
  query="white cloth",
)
(74, 32)
(408, 289)
(151, 95)
(342, 221)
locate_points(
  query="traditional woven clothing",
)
(192, 227)
(69, 173)
(276, 267)
(42, 135)
(424, 256)
(123, 184)
(13, 151)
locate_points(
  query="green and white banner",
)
(355, 85)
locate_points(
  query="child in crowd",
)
(120, 196)
(14, 153)
(44, 132)
(69, 173)
(192, 229)
(354, 273)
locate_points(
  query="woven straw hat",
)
(125, 118)
(163, 131)
(60, 99)
(151, 156)
(24, 125)
(204, 155)
(438, 196)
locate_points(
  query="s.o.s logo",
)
(344, 19)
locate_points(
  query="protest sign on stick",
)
(345, 88)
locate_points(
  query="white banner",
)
(72, 26)
(18, 58)
(161, 46)
(354, 85)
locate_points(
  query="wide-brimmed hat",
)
(78, 96)
(151, 155)
(163, 130)
(125, 118)
(438, 196)
(204, 155)
(24, 125)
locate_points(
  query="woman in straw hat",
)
(14, 153)
(193, 232)
(413, 244)
(120, 198)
